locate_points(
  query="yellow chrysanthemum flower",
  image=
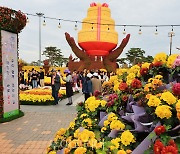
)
(111, 116)
(83, 115)
(71, 125)
(145, 65)
(106, 123)
(80, 150)
(163, 111)
(153, 101)
(103, 129)
(160, 57)
(168, 97)
(178, 106)
(117, 125)
(61, 131)
(88, 121)
(127, 138)
(121, 152)
(103, 103)
(171, 60)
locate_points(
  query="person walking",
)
(87, 86)
(69, 82)
(55, 84)
(96, 83)
(41, 77)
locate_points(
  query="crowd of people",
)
(31, 78)
(86, 80)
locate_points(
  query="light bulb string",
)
(117, 25)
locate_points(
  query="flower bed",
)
(39, 97)
(138, 112)
(47, 81)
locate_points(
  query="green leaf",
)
(97, 134)
(168, 127)
(115, 108)
(165, 139)
(149, 151)
(101, 151)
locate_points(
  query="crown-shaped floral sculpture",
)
(97, 40)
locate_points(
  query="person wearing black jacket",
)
(87, 86)
(55, 83)
(41, 77)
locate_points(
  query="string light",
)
(27, 20)
(172, 31)
(124, 31)
(140, 32)
(44, 22)
(92, 26)
(156, 32)
(108, 27)
(117, 25)
(59, 25)
(75, 27)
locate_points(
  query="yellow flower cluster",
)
(117, 125)
(35, 98)
(163, 111)
(154, 101)
(106, 83)
(178, 109)
(127, 138)
(82, 139)
(159, 77)
(47, 80)
(121, 152)
(59, 134)
(38, 95)
(121, 71)
(130, 78)
(83, 115)
(135, 69)
(92, 104)
(87, 122)
(171, 60)
(178, 106)
(115, 143)
(71, 125)
(80, 150)
(145, 65)
(168, 97)
(116, 86)
(113, 79)
(113, 122)
(153, 83)
(160, 57)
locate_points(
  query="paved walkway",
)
(32, 133)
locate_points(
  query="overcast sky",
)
(122, 11)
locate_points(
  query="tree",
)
(54, 56)
(23, 62)
(148, 59)
(135, 55)
(34, 63)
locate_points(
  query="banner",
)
(10, 73)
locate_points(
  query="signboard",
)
(10, 73)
